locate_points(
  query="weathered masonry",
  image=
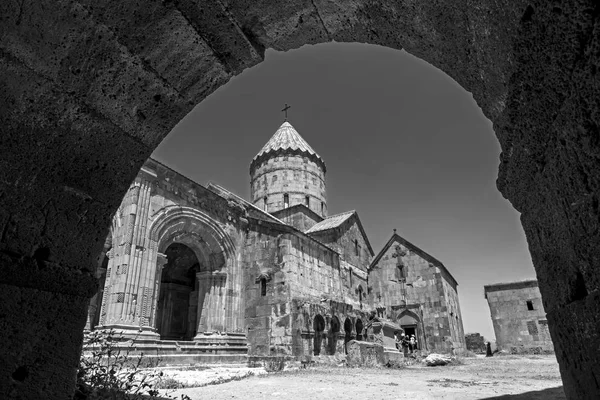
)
(518, 317)
(198, 273)
(85, 102)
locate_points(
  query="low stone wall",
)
(364, 354)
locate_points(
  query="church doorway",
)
(347, 333)
(334, 330)
(319, 327)
(409, 322)
(177, 307)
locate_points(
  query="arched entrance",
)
(318, 327)
(347, 333)
(178, 299)
(334, 329)
(410, 323)
(359, 329)
(214, 277)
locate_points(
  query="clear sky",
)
(404, 145)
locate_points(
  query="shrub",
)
(169, 383)
(275, 364)
(107, 370)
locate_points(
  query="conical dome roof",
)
(287, 139)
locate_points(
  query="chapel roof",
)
(337, 220)
(331, 222)
(285, 139)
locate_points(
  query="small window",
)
(529, 305)
(355, 247)
(322, 208)
(351, 278)
(307, 200)
(263, 287)
(400, 272)
(265, 206)
(286, 200)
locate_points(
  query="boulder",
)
(436, 359)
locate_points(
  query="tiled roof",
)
(286, 138)
(331, 222)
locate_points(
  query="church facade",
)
(200, 269)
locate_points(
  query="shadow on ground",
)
(556, 393)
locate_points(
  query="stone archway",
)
(332, 335)
(359, 329)
(347, 333)
(83, 105)
(411, 325)
(217, 274)
(178, 299)
(318, 328)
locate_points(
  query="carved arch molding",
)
(84, 102)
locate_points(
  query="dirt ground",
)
(505, 377)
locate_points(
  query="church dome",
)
(287, 172)
(286, 140)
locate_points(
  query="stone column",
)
(211, 315)
(204, 287)
(161, 261)
(106, 293)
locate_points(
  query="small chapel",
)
(196, 272)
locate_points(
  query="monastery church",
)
(197, 271)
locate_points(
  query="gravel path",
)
(508, 377)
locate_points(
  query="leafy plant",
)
(275, 364)
(108, 370)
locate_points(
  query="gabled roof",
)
(287, 139)
(336, 221)
(331, 222)
(426, 256)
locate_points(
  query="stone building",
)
(518, 316)
(197, 271)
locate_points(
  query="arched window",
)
(322, 208)
(356, 247)
(286, 200)
(360, 296)
(265, 206)
(307, 201)
(351, 279)
(263, 287)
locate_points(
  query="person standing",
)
(413, 343)
(488, 350)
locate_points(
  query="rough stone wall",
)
(515, 325)
(104, 86)
(303, 273)
(425, 292)
(457, 333)
(298, 216)
(342, 240)
(292, 174)
(263, 259)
